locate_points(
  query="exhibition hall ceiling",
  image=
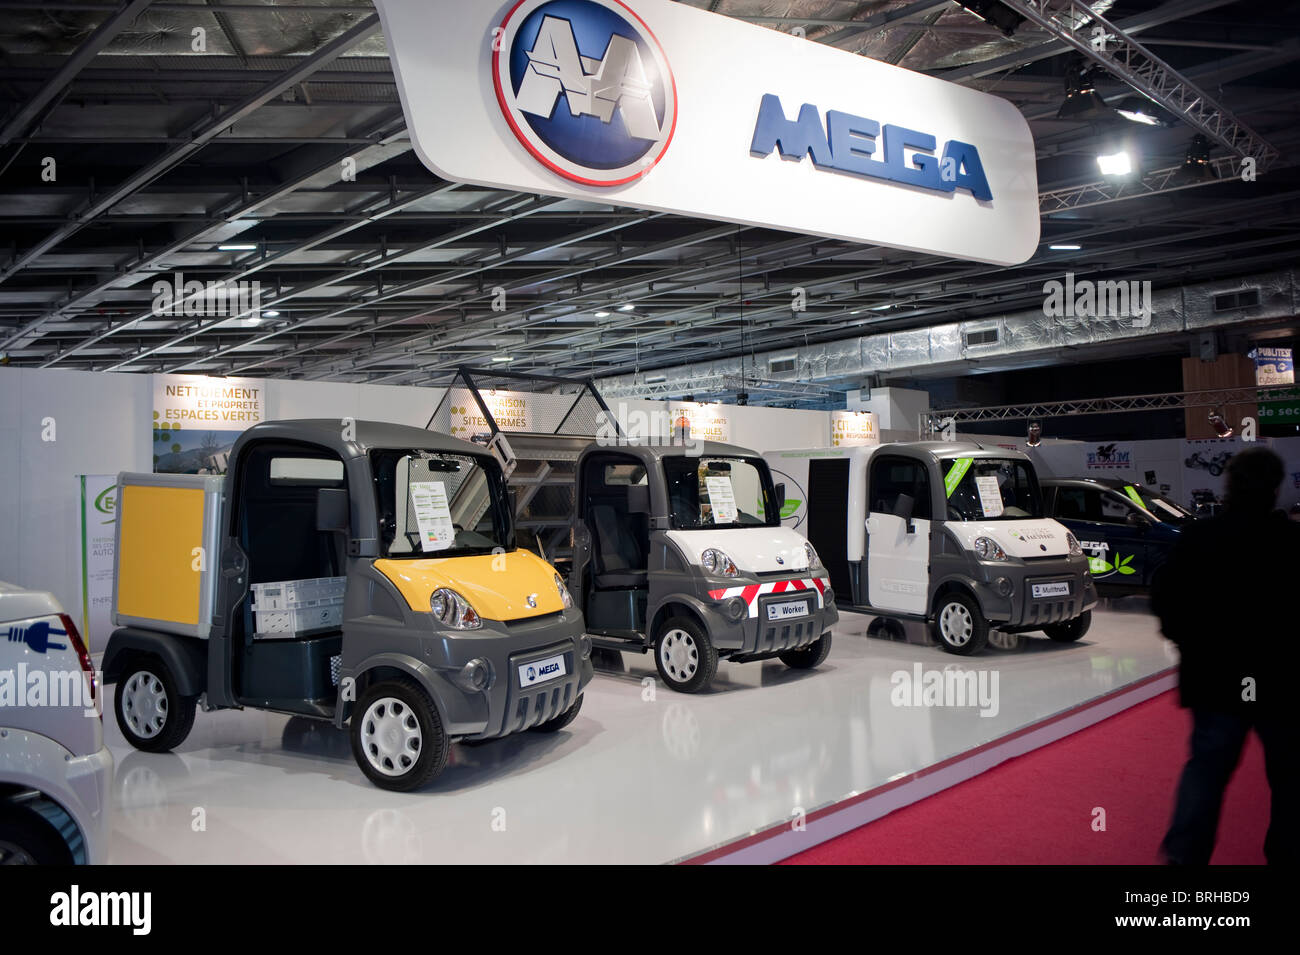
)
(143, 144)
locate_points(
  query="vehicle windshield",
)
(1161, 508)
(991, 489)
(436, 504)
(720, 492)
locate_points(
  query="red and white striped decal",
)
(752, 592)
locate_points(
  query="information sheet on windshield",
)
(990, 494)
(433, 515)
(722, 498)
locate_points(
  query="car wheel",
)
(26, 838)
(151, 713)
(561, 721)
(1071, 630)
(809, 657)
(686, 659)
(397, 736)
(959, 626)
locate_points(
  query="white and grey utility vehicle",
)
(949, 533)
(681, 551)
(54, 767)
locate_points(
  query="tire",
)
(686, 659)
(809, 657)
(561, 721)
(1071, 630)
(26, 838)
(397, 736)
(1215, 469)
(150, 711)
(958, 624)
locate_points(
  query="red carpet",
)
(1038, 808)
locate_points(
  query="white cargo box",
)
(297, 594)
(168, 551)
(286, 624)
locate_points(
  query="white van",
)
(950, 533)
(54, 767)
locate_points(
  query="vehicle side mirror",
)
(780, 496)
(905, 507)
(1138, 519)
(332, 507)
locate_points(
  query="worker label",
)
(722, 499)
(433, 515)
(990, 494)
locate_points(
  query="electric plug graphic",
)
(37, 636)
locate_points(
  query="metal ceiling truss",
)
(934, 422)
(1107, 45)
(361, 306)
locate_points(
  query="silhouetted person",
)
(1227, 597)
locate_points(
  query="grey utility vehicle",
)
(440, 627)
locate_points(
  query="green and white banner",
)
(98, 546)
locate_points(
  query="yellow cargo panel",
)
(165, 552)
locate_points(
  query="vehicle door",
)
(898, 534)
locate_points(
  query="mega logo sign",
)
(586, 88)
(657, 105)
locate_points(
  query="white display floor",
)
(638, 777)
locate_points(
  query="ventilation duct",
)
(947, 348)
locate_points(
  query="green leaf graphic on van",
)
(789, 507)
(1122, 564)
(955, 474)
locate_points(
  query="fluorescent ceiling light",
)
(502, 358)
(1065, 247)
(655, 379)
(1115, 164)
(1133, 116)
(237, 248)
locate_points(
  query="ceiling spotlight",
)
(237, 248)
(995, 14)
(1082, 102)
(1115, 164)
(252, 321)
(1221, 427)
(1196, 166)
(1065, 247)
(271, 314)
(655, 379)
(1139, 109)
(627, 308)
(602, 314)
(501, 359)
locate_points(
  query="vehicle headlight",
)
(1075, 549)
(813, 559)
(988, 549)
(453, 610)
(717, 563)
(564, 593)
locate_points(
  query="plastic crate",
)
(297, 594)
(285, 624)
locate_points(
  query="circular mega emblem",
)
(586, 87)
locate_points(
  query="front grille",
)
(533, 621)
(1051, 611)
(536, 705)
(775, 637)
(529, 706)
(782, 574)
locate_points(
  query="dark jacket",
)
(1228, 598)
